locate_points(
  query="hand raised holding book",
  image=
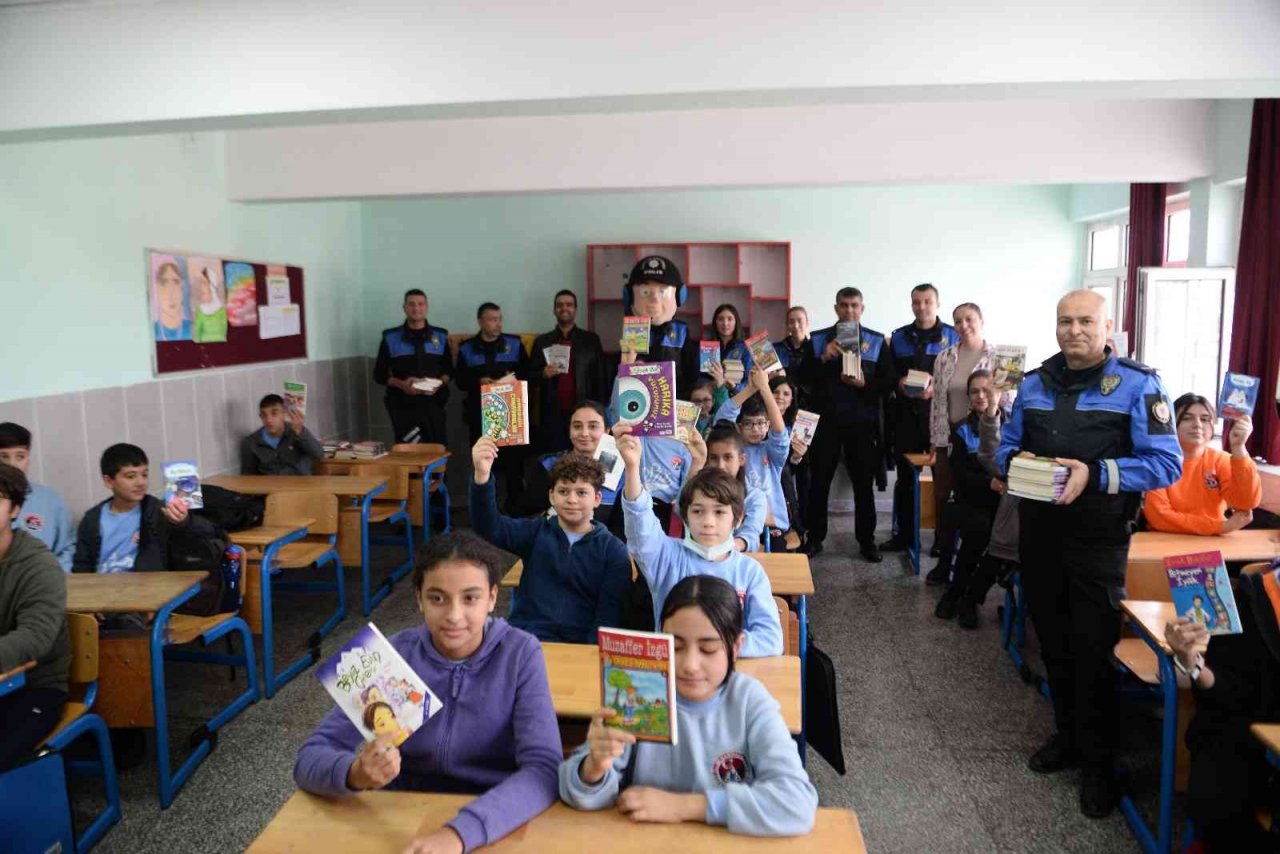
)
(831, 351)
(629, 447)
(606, 745)
(376, 765)
(1077, 480)
(760, 379)
(1188, 639)
(483, 455)
(697, 449)
(1241, 430)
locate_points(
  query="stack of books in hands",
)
(734, 371)
(916, 382)
(1037, 478)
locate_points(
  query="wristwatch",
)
(1194, 672)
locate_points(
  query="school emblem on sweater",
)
(731, 767)
(1110, 383)
(1211, 480)
(34, 523)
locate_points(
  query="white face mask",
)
(707, 552)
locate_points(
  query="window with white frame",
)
(1184, 320)
(1177, 230)
(1106, 263)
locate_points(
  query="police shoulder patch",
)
(1159, 415)
(1110, 383)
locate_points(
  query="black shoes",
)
(966, 613)
(872, 553)
(936, 550)
(1053, 756)
(1099, 791)
(893, 544)
(940, 574)
(812, 548)
(946, 606)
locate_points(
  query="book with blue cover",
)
(1202, 593)
(1239, 396)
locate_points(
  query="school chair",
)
(311, 546)
(790, 627)
(433, 483)
(390, 507)
(78, 720)
(1013, 634)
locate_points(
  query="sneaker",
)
(1053, 756)
(1099, 791)
(872, 553)
(940, 574)
(967, 613)
(893, 544)
(946, 606)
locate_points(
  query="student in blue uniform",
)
(485, 358)
(726, 325)
(768, 444)
(586, 428)
(408, 353)
(44, 515)
(735, 764)
(1108, 420)
(727, 452)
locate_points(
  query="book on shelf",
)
(708, 355)
(607, 454)
(182, 482)
(1037, 478)
(646, 398)
(557, 356)
(376, 688)
(1009, 367)
(1239, 396)
(916, 383)
(1202, 593)
(638, 681)
(762, 352)
(635, 334)
(734, 371)
(504, 412)
(295, 397)
(686, 419)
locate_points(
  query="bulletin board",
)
(208, 311)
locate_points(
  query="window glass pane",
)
(1104, 248)
(1182, 334)
(1179, 236)
(1108, 293)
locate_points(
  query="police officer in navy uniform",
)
(848, 424)
(914, 347)
(655, 290)
(485, 358)
(1108, 420)
(413, 351)
(794, 350)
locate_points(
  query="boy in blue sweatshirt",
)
(711, 507)
(768, 442)
(575, 571)
(727, 452)
(44, 515)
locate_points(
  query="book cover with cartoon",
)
(805, 426)
(708, 355)
(635, 334)
(376, 688)
(762, 352)
(295, 397)
(686, 419)
(182, 481)
(1239, 396)
(646, 398)
(638, 681)
(1202, 593)
(504, 412)
(1009, 367)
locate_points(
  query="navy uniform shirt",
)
(478, 358)
(915, 349)
(671, 342)
(833, 398)
(406, 352)
(793, 360)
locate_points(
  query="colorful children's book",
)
(504, 412)
(607, 454)
(376, 688)
(1202, 591)
(805, 426)
(295, 397)
(557, 356)
(638, 680)
(686, 419)
(916, 382)
(708, 355)
(182, 481)
(762, 352)
(635, 334)
(646, 398)
(1010, 367)
(1239, 396)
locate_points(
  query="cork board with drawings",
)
(211, 312)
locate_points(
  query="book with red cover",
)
(638, 680)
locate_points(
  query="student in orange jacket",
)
(1212, 480)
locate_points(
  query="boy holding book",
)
(283, 446)
(767, 443)
(575, 571)
(711, 506)
(44, 515)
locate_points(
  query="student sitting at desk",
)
(44, 515)
(497, 732)
(1236, 682)
(711, 506)
(283, 445)
(575, 571)
(33, 627)
(735, 764)
(727, 452)
(1212, 480)
(586, 427)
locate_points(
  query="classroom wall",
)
(75, 218)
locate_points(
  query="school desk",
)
(12, 680)
(1270, 476)
(423, 462)
(359, 490)
(1152, 547)
(573, 670)
(378, 822)
(131, 686)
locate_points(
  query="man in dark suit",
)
(561, 389)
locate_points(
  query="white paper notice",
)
(278, 292)
(279, 321)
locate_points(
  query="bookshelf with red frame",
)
(755, 276)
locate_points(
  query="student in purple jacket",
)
(496, 735)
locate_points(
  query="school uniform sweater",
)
(764, 464)
(755, 509)
(734, 748)
(33, 604)
(1210, 483)
(664, 561)
(566, 591)
(496, 735)
(45, 517)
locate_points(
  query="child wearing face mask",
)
(735, 765)
(711, 507)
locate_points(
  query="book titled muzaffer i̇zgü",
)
(638, 681)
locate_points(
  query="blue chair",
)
(389, 507)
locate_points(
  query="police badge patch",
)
(1110, 383)
(1159, 416)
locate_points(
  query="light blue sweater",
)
(764, 464)
(734, 748)
(754, 512)
(45, 517)
(665, 561)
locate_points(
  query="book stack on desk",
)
(1037, 478)
(369, 450)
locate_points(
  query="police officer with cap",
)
(1108, 420)
(408, 354)
(654, 290)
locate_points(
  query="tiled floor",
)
(936, 728)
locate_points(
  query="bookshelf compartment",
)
(767, 267)
(609, 266)
(713, 262)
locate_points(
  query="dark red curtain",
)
(1255, 330)
(1146, 244)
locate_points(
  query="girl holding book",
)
(727, 326)
(496, 735)
(735, 764)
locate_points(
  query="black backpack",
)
(231, 511)
(202, 546)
